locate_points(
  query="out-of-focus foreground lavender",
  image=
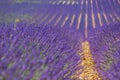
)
(60, 40)
(105, 48)
(38, 52)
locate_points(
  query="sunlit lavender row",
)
(59, 39)
(105, 48)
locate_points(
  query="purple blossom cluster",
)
(38, 52)
(105, 48)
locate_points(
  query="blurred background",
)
(80, 14)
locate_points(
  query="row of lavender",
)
(38, 52)
(105, 48)
(50, 53)
(97, 13)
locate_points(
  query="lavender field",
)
(60, 40)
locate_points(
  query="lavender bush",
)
(38, 52)
(105, 47)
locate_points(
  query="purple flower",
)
(38, 52)
(105, 47)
